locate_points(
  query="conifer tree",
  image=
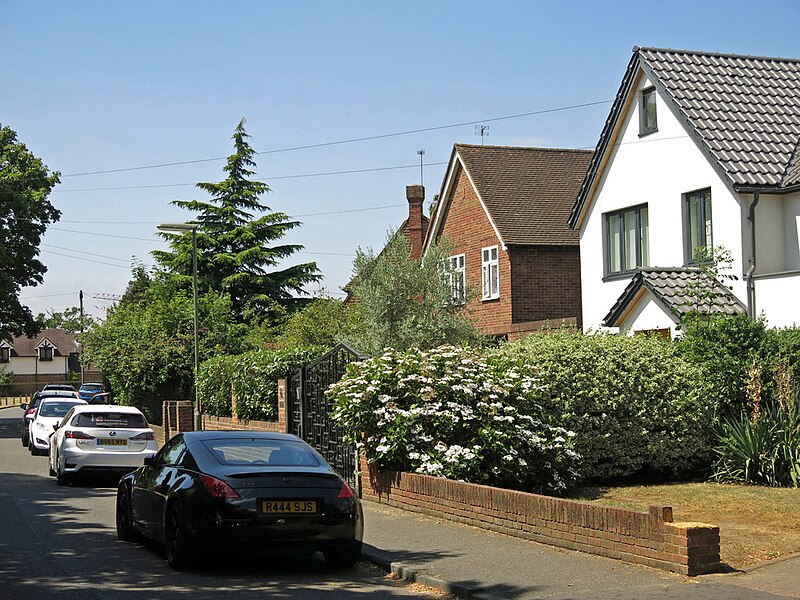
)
(233, 240)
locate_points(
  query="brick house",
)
(504, 211)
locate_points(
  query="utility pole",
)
(80, 356)
(421, 153)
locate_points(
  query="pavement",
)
(476, 564)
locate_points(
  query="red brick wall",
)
(232, 423)
(469, 230)
(647, 538)
(547, 283)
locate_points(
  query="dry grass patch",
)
(756, 524)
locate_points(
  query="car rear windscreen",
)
(262, 452)
(109, 419)
(56, 409)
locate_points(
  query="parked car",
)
(100, 439)
(88, 390)
(49, 412)
(242, 491)
(30, 409)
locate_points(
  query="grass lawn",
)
(755, 523)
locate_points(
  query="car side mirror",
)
(150, 460)
(55, 426)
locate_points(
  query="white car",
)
(100, 439)
(49, 412)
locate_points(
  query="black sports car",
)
(226, 491)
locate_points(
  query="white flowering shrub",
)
(451, 412)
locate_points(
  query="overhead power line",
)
(301, 176)
(348, 140)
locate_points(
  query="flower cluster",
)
(451, 412)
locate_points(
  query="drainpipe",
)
(751, 286)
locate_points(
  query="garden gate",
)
(308, 410)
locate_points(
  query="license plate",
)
(288, 506)
(111, 442)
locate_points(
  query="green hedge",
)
(252, 378)
(635, 404)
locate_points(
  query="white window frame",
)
(490, 273)
(46, 353)
(457, 277)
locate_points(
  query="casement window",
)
(5, 354)
(490, 273)
(45, 353)
(648, 123)
(626, 240)
(456, 278)
(697, 228)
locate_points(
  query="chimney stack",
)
(415, 232)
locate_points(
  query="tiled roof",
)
(64, 342)
(681, 290)
(745, 109)
(527, 191)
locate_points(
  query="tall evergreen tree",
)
(232, 242)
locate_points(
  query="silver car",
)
(100, 439)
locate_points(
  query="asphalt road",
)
(61, 542)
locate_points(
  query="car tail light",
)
(147, 436)
(30, 411)
(218, 488)
(78, 435)
(346, 491)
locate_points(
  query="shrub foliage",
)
(454, 413)
(252, 379)
(636, 405)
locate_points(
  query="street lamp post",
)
(181, 227)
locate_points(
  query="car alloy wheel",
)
(125, 529)
(176, 539)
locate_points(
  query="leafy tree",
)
(402, 303)
(324, 321)
(69, 320)
(234, 257)
(25, 212)
(145, 346)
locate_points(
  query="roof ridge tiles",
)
(772, 59)
(537, 148)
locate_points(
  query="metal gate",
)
(309, 411)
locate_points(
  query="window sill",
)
(618, 276)
(491, 299)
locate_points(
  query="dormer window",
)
(648, 122)
(5, 354)
(46, 353)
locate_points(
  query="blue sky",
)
(100, 86)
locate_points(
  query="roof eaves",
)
(603, 144)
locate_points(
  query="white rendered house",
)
(699, 150)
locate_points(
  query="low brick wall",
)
(158, 432)
(7, 401)
(647, 538)
(232, 423)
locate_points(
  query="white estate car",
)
(100, 438)
(49, 412)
